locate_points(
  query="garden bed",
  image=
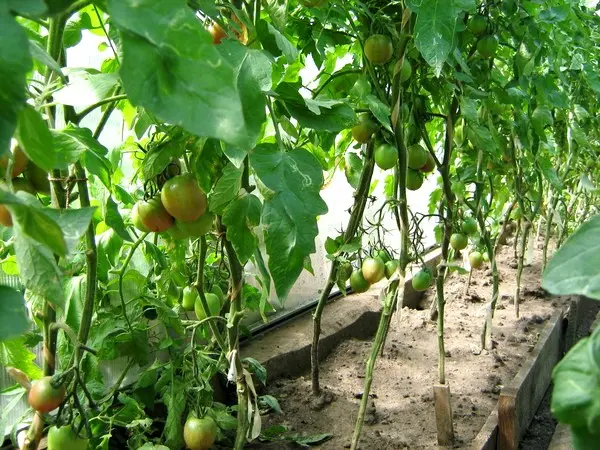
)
(401, 411)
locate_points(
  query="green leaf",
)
(209, 164)
(75, 298)
(14, 353)
(318, 114)
(33, 8)
(240, 217)
(16, 63)
(269, 402)
(549, 172)
(576, 378)
(35, 138)
(73, 143)
(574, 267)
(73, 223)
(468, 109)
(480, 137)
(257, 369)
(292, 181)
(113, 219)
(235, 154)
(388, 186)
(435, 30)
(584, 439)
(33, 222)
(275, 42)
(13, 313)
(40, 54)
(85, 88)
(158, 158)
(194, 86)
(380, 110)
(226, 189)
(38, 269)
(174, 399)
(353, 169)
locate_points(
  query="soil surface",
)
(401, 412)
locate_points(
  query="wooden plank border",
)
(519, 400)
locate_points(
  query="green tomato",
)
(475, 260)
(345, 272)
(414, 180)
(190, 295)
(477, 24)
(486, 257)
(197, 228)
(386, 156)
(469, 226)
(405, 69)
(379, 49)
(373, 269)
(391, 267)
(216, 289)
(458, 241)
(383, 256)
(421, 280)
(214, 306)
(358, 282)
(487, 46)
(363, 130)
(64, 438)
(417, 156)
(200, 434)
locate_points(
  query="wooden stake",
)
(443, 414)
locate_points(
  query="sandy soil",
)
(400, 413)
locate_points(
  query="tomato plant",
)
(156, 145)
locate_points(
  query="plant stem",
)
(394, 290)
(121, 273)
(447, 213)
(90, 257)
(58, 199)
(382, 328)
(235, 316)
(200, 288)
(360, 201)
(104, 101)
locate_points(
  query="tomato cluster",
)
(372, 270)
(181, 209)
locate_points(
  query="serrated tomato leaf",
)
(171, 68)
(574, 267)
(240, 218)
(292, 181)
(16, 63)
(13, 313)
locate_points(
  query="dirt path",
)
(401, 414)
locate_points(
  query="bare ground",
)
(400, 413)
